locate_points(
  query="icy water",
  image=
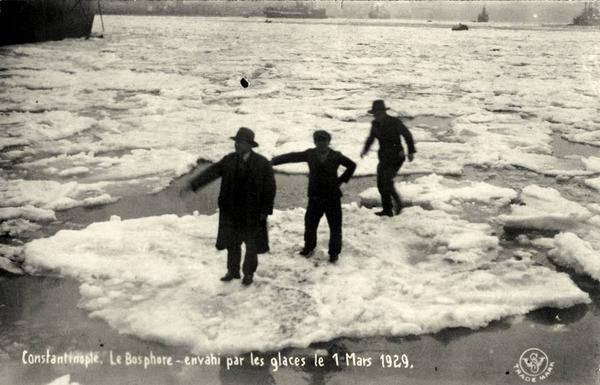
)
(85, 123)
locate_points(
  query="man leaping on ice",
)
(245, 200)
(387, 130)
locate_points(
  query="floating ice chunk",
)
(11, 141)
(573, 252)
(49, 125)
(444, 194)
(546, 243)
(138, 163)
(74, 171)
(52, 195)
(593, 183)
(591, 163)
(544, 209)
(15, 227)
(11, 258)
(158, 278)
(586, 137)
(27, 212)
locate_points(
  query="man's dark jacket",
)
(388, 133)
(323, 181)
(259, 194)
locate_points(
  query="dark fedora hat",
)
(245, 134)
(378, 105)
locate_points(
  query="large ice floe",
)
(543, 208)
(577, 244)
(158, 278)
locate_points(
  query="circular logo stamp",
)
(534, 365)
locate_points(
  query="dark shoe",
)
(387, 213)
(397, 210)
(247, 281)
(306, 253)
(229, 276)
(333, 258)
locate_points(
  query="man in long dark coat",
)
(324, 194)
(245, 200)
(388, 130)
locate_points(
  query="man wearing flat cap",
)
(245, 200)
(388, 130)
(324, 194)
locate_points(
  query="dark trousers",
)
(332, 208)
(386, 171)
(234, 253)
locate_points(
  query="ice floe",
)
(543, 208)
(444, 194)
(157, 278)
(573, 252)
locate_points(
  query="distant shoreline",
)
(375, 22)
(519, 12)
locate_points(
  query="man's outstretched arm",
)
(408, 138)
(291, 157)
(204, 177)
(368, 143)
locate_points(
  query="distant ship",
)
(379, 12)
(30, 21)
(483, 17)
(589, 16)
(301, 11)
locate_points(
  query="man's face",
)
(322, 144)
(242, 147)
(379, 115)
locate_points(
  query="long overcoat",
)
(259, 189)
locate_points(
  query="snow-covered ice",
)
(158, 278)
(112, 111)
(544, 208)
(444, 194)
(573, 252)
(577, 245)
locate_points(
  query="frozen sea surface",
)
(89, 122)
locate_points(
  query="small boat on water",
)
(31, 21)
(460, 27)
(300, 11)
(590, 16)
(483, 17)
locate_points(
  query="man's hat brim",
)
(379, 109)
(253, 143)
